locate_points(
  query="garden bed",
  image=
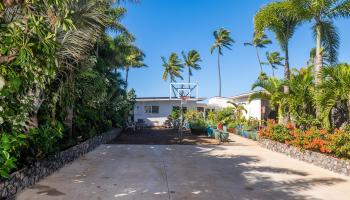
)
(28, 176)
(337, 165)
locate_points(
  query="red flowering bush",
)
(339, 143)
(312, 139)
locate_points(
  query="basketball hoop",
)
(184, 99)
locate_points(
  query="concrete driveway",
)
(240, 170)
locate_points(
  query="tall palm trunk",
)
(219, 74)
(126, 77)
(318, 59)
(259, 60)
(189, 75)
(287, 77)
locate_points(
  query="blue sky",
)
(165, 26)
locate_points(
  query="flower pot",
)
(224, 128)
(220, 126)
(244, 133)
(224, 136)
(232, 130)
(252, 135)
(217, 134)
(210, 132)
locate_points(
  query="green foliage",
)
(9, 150)
(42, 141)
(198, 124)
(250, 124)
(172, 68)
(225, 115)
(212, 119)
(58, 76)
(340, 143)
(280, 133)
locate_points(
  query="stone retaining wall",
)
(321, 160)
(28, 176)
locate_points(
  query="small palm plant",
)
(274, 60)
(172, 68)
(191, 62)
(238, 110)
(222, 39)
(259, 43)
(334, 89)
(272, 92)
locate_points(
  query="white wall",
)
(253, 108)
(165, 109)
(219, 102)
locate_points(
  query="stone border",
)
(321, 160)
(28, 176)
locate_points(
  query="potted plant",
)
(232, 127)
(212, 123)
(224, 117)
(250, 129)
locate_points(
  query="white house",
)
(154, 111)
(257, 108)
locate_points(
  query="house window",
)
(200, 109)
(176, 108)
(152, 109)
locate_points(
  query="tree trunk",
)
(126, 77)
(219, 74)
(287, 77)
(318, 59)
(68, 121)
(258, 56)
(189, 74)
(38, 96)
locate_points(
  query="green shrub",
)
(339, 143)
(198, 124)
(9, 152)
(280, 133)
(43, 141)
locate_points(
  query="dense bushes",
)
(59, 83)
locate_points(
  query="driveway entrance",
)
(238, 170)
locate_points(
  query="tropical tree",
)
(334, 90)
(172, 68)
(222, 40)
(259, 43)
(191, 61)
(322, 14)
(274, 60)
(272, 92)
(275, 17)
(238, 110)
(133, 60)
(325, 57)
(300, 100)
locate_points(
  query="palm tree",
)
(191, 62)
(238, 110)
(172, 68)
(257, 43)
(275, 18)
(334, 89)
(272, 92)
(274, 60)
(322, 13)
(300, 100)
(222, 39)
(133, 60)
